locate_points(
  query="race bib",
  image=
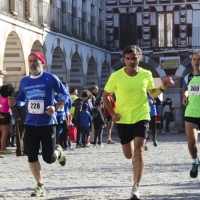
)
(36, 106)
(194, 89)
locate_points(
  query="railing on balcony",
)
(35, 8)
(20, 8)
(159, 38)
(43, 14)
(4, 5)
(77, 27)
(47, 14)
(58, 18)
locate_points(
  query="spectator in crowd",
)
(73, 95)
(84, 123)
(153, 115)
(5, 118)
(78, 107)
(99, 123)
(167, 114)
(19, 114)
(110, 122)
(94, 91)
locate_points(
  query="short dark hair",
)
(84, 93)
(85, 106)
(72, 90)
(97, 103)
(133, 48)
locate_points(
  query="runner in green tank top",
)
(191, 99)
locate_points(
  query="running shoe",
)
(71, 149)
(63, 157)
(101, 145)
(135, 194)
(39, 191)
(194, 171)
(1, 156)
(155, 143)
(65, 148)
(87, 145)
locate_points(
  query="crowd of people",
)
(44, 109)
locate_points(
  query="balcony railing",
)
(47, 14)
(158, 39)
(20, 8)
(43, 14)
(4, 5)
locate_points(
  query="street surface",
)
(104, 173)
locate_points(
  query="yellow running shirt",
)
(131, 94)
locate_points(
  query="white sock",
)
(196, 160)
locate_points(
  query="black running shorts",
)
(127, 132)
(193, 120)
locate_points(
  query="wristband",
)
(161, 89)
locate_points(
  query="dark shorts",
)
(46, 135)
(127, 132)
(193, 120)
(108, 118)
(5, 118)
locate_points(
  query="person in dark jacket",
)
(19, 114)
(99, 123)
(84, 122)
(78, 107)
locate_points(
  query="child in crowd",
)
(99, 123)
(84, 122)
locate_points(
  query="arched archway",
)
(105, 73)
(92, 73)
(76, 72)
(13, 62)
(58, 66)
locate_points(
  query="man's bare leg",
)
(35, 168)
(139, 161)
(36, 171)
(135, 149)
(192, 136)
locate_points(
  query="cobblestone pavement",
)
(104, 173)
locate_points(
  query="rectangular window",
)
(127, 30)
(165, 29)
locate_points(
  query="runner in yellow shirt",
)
(130, 86)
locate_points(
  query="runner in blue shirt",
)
(37, 93)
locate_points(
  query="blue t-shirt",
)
(152, 107)
(38, 93)
(84, 118)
